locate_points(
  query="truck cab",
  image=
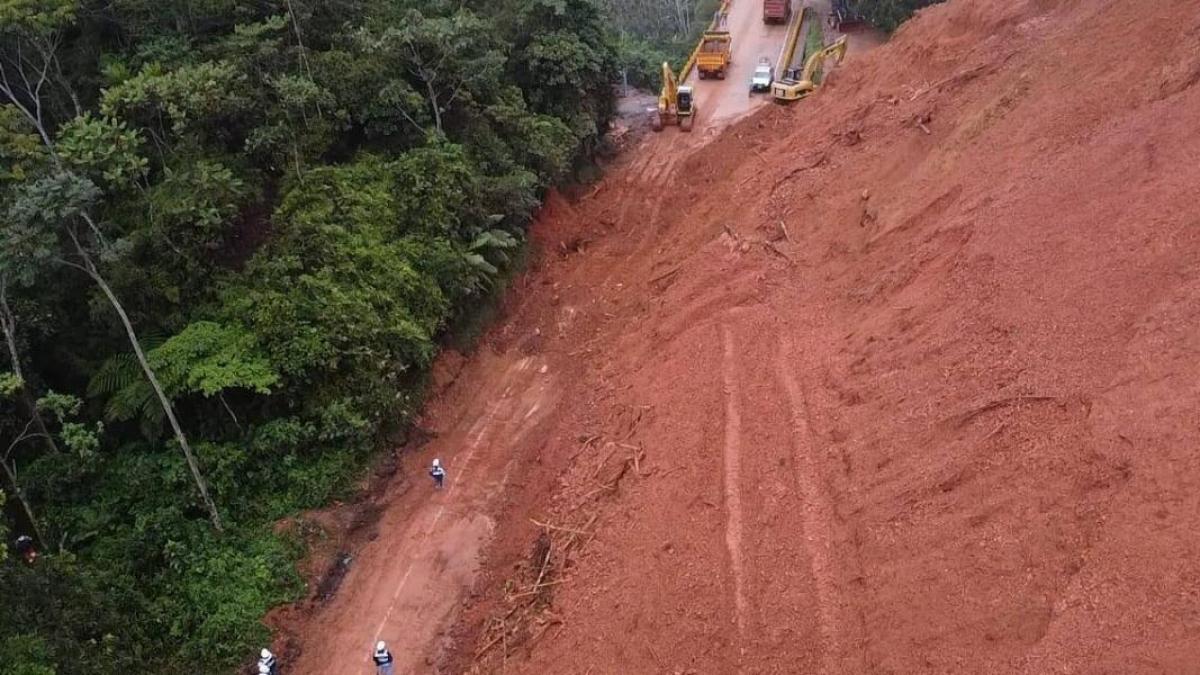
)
(777, 11)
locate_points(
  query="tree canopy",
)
(233, 235)
(888, 14)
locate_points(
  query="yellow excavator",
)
(675, 103)
(797, 86)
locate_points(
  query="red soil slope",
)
(903, 378)
(919, 361)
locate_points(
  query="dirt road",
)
(720, 102)
(403, 586)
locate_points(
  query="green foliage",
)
(10, 384)
(336, 291)
(190, 97)
(30, 231)
(36, 15)
(60, 406)
(888, 14)
(200, 195)
(219, 593)
(103, 150)
(81, 439)
(653, 31)
(567, 67)
(21, 151)
(52, 199)
(293, 201)
(119, 379)
(24, 654)
(489, 252)
(84, 440)
(208, 358)
(641, 61)
(450, 57)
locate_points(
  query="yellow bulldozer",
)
(675, 103)
(799, 85)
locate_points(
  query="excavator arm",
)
(792, 89)
(837, 50)
(668, 97)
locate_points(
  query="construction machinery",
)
(675, 103)
(713, 56)
(798, 85)
(777, 11)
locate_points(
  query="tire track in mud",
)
(653, 175)
(732, 484)
(818, 518)
(657, 181)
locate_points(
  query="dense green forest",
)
(652, 31)
(233, 233)
(888, 14)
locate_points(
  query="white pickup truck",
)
(764, 74)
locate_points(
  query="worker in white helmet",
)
(383, 659)
(26, 548)
(438, 473)
(267, 665)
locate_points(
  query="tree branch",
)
(34, 119)
(89, 267)
(22, 437)
(67, 263)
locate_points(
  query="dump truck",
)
(712, 59)
(777, 11)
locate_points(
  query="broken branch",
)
(556, 527)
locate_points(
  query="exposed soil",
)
(902, 378)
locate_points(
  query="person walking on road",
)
(383, 659)
(438, 473)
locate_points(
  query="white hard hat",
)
(265, 653)
(437, 462)
(380, 647)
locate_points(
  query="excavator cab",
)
(684, 101)
(684, 110)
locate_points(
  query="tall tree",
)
(63, 200)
